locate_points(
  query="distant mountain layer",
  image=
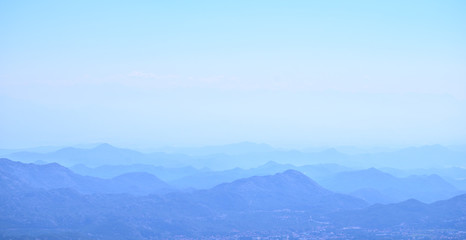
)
(46, 201)
(101, 155)
(230, 149)
(164, 173)
(288, 190)
(43, 198)
(446, 214)
(374, 185)
(20, 177)
(246, 155)
(208, 179)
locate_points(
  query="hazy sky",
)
(288, 73)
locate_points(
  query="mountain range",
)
(20, 177)
(49, 201)
(247, 155)
(372, 185)
(376, 186)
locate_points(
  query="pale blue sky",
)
(288, 73)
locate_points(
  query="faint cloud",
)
(147, 79)
(137, 74)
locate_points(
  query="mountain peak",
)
(290, 189)
(271, 164)
(281, 182)
(104, 146)
(410, 204)
(137, 175)
(295, 177)
(332, 151)
(67, 150)
(373, 170)
(293, 173)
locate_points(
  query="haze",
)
(232, 119)
(145, 74)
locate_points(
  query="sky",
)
(193, 73)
